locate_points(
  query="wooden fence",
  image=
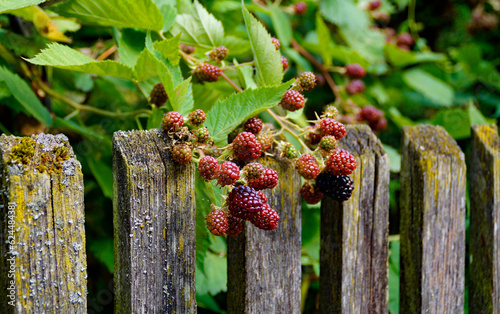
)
(42, 251)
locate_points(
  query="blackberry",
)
(172, 121)
(182, 154)
(292, 100)
(216, 221)
(338, 188)
(197, 117)
(229, 173)
(253, 125)
(244, 202)
(208, 167)
(311, 193)
(246, 147)
(207, 72)
(158, 95)
(267, 180)
(355, 70)
(307, 166)
(253, 170)
(235, 225)
(355, 87)
(341, 163)
(218, 54)
(284, 63)
(266, 219)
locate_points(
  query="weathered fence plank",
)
(42, 235)
(154, 223)
(264, 270)
(354, 234)
(432, 222)
(484, 271)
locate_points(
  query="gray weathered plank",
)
(432, 222)
(354, 234)
(42, 198)
(264, 266)
(154, 226)
(484, 271)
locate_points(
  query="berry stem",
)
(233, 84)
(286, 128)
(234, 66)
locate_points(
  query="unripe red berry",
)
(182, 154)
(218, 54)
(187, 49)
(253, 170)
(246, 147)
(300, 8)
(341, 163)
(355, 70)
(172, 121)
(158, 95)
(284, 63)
(307, 166)
(310, 193)
(329, 126)
(202, 135)
(197, 117)
(276, 43)
(208, 167)
(229, 173)
(244, 202)
(235, 225)
(307, 81)
(374, 4)
(355, 87)
(405, 39)
(292, 100)
(265, 139)
(253, 125)
(207, 72)
(216, 222)
(266, 219)
(267, 180)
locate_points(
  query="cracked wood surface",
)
(263, 270)
(432, 222)
(354, 234)
(154, 226)
(50, 268)
(484, 271)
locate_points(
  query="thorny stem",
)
(107, 53)
(335, 89)
(233, 84)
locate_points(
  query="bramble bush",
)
(279, 78)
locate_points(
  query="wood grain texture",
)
(354, 234)
(264, 270)
(484, 271)
(432, 222)
(154, 225)
(46, 209)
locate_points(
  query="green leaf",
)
(455, 121)
(130, 44)
(237, 46)
(169, 48)
(63, 57)
(142, 14)
(401, 58)
(61, 123)
(199, 29)
(430, 86)
(394, 277)
(324, 39)
(399, 119)
(154, 120)
(205, 196)
(8, 5)
(245, 76)
(394, 158)
(345, 14)
(169, 13)
(300, 61)
(267, 58)
(148, 66)
(103, 174)
(22, 92)
(214, 278)
(281, 25)
(226, 115)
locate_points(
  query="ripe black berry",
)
(338, 188)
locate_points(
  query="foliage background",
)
(450, 78)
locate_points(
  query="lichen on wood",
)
(432, 222)
(354, 234)
(484, 271)
(154, 226)
(264, 269)
(47, 211)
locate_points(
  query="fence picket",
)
(154, 223)
(354, 234)
(45, 265)
(432, 222)
(264, 266)
(484, 271)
